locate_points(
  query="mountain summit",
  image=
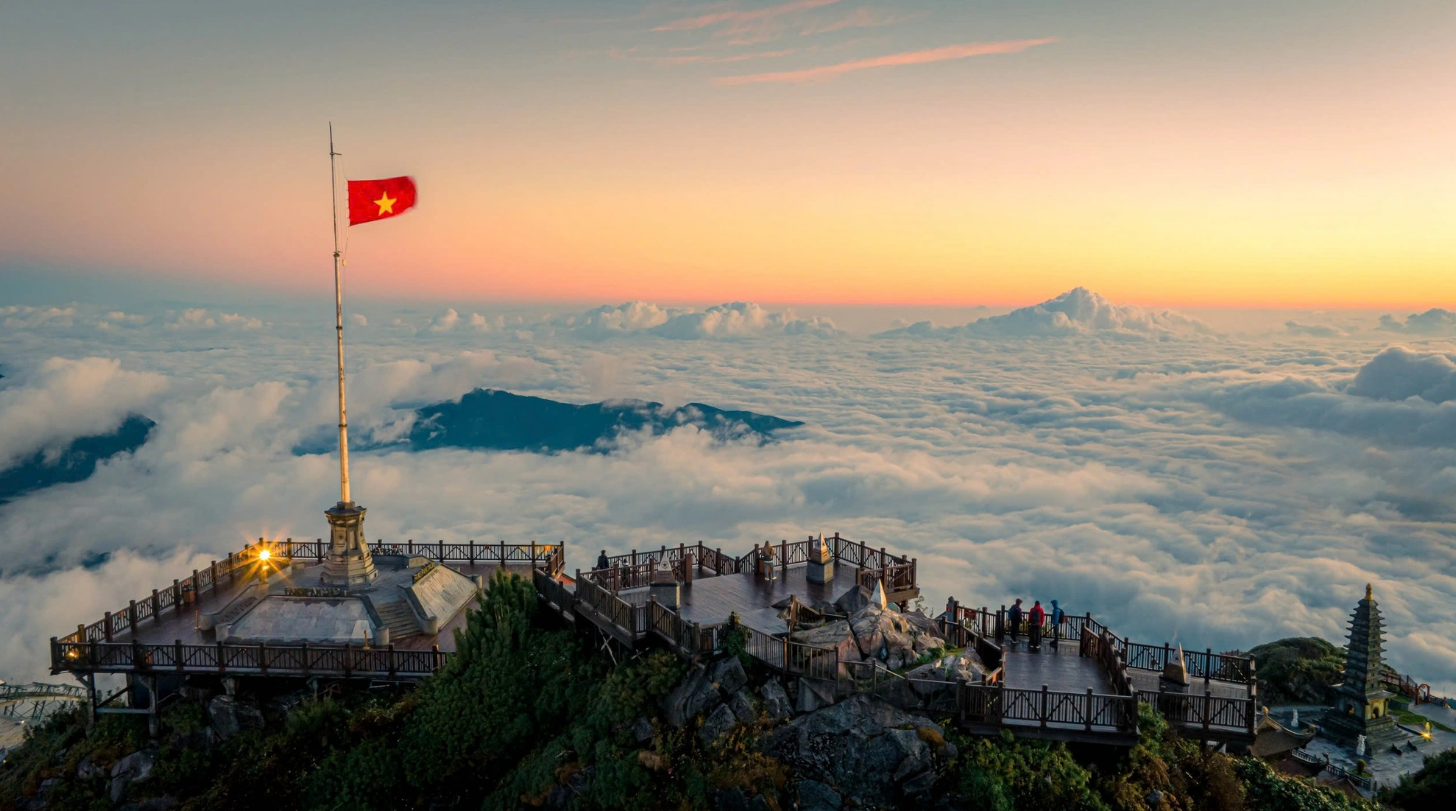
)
(1078, 311)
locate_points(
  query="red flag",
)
(371, 200)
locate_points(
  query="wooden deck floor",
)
(174, 626)
(1060, 669)
(709, 600)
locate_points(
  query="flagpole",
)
(339, 330)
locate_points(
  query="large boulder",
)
(813, 695)
(720, 723)
(728, 675)
(742, 707)
(886, 635)
(815, 796)
(965, 667)
(850, 602)
(835, 635)
(229, 716)
(133, 768)
(776, 701)
(694, 694)
(865, 748)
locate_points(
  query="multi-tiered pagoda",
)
(1361, 699)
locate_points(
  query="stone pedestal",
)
(349, 563)
(821, 562)
(664, 588)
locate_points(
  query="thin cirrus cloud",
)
(742, 17)
(941, 54)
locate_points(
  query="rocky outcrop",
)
(693, 695)
(229, 716)
(816, 796)
(720, 723)
(863, 748)
(776, 701)
(133, 768)
(966, 666)
(877, 634)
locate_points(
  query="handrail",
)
(186, 591)
(300, 659)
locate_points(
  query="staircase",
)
(398, 618)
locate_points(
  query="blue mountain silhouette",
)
(76, 463)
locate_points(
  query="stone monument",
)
(349, 563)
(821, 562)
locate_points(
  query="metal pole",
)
(339, 329)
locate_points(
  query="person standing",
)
(1035, 618)
(1014, 618)
(602, 562)
(1058, 617)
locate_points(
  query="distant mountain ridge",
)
(1078, 311)
(74, 463)
(500, 420)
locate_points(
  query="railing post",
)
(472, 552)
(177, 654)
(131, 618)
(1207, 665)
(106, 626)
(718, 560)
(392, 666)
(1043, 714)
(786, 656)
(304, 646)
(80, 632)
(436, 662)
(156, 605)
(1001, 624)
(318, 549)
(176, 595)
(533, 554)
(263, 658)
(440, 550)
(1087, 715)
(1207, 702)
(348, 659)
(221, 658)
(502, 552)
(232, 571)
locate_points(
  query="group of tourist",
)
(1036, 620)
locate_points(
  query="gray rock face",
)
(742, 707)
(865, 747)
(85, 770)
(642, 730)
(229, 716)
(776, 701)
(852, 601)
(720, 723)
(728, 675)
(815, 796)
(965, 667)
(134, 767)
(693, 695)
(813, 696)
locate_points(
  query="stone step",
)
(398, 618)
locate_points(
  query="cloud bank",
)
(1217, 492)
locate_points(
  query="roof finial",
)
(1367, 591)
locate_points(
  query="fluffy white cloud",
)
(64, 399)
(1398, 373)
(1076, 312)
(741, 319)
(24, 317)
(1218, 493)
(202, 318)
(1434, 321)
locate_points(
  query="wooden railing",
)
(609, 607)
(301, 660)
(1203, 664)
(1205, 711)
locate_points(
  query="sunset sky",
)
(1237, 153)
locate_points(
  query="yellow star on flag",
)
(385, 203)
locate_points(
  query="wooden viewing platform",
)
(1084, 687)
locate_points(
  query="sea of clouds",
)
(1181, 480)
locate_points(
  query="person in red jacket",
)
(1034, 618)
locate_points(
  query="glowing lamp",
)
(264, 554)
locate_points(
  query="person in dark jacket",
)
(1013, 618)
(602, 562)
(1034, 619)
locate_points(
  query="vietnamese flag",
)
(371, 200)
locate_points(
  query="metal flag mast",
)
(349, 563)
(339, 330)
